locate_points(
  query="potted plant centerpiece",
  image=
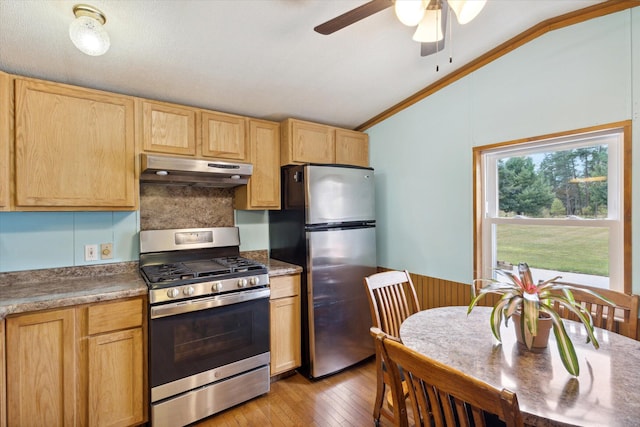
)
(521, 296)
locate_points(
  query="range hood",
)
(184, 171)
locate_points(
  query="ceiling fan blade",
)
(429, 48)
(354, 15)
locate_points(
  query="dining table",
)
(605, 393)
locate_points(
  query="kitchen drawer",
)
(113, 316)
(285, 286)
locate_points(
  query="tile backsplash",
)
(168, 206)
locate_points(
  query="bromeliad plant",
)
(521, 294)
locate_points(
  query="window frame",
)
(480, 246)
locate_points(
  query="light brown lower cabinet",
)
(285, 323)
(3, 383)
(63, 370)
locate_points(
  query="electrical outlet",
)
(106, 251)
(91, 252)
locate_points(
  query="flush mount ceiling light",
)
(87, 32)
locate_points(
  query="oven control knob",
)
(254, 281)
(172, 293)
(242, 283)
(188, 291)
(216, 287)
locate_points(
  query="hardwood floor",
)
(343, 399)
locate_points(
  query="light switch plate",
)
(91, 253)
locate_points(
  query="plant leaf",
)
(526, 277)
(565, 346)
(529, 321)
(582, 314)
(496, 317)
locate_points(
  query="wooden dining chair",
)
(392, 298)
(440, 395)
(621, 318)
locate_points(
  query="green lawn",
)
(572, 249)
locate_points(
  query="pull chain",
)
(450, 35)
(438, 25)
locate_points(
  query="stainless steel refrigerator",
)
(327, 226)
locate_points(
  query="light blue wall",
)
(254, 230)
(571, 78)
(35, 240)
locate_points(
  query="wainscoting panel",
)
(433, 292)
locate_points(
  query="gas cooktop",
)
(204, 269)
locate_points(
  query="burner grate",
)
(205, 268)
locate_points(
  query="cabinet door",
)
(74, 149)
(168, 128)
(41, 369)
(223, 136)
(305, 142)
(6, 97)
(285, 334)
(115, 389)
(352, 148)
(263, 189)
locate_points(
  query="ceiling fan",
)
(430, 16)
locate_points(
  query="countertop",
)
(34, 290)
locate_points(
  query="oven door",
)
(197, 336)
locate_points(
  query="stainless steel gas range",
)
(208, 323)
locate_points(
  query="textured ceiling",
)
(259, 58)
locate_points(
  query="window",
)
(557, 203)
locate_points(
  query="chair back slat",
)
(440, 395)
(621, 318)
(392, 298)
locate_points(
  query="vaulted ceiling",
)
(259, 58)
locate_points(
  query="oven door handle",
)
(210, 302)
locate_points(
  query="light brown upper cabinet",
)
(6, 132)
(74, 148)
(352, 148)
(263, 190)
(307, 142)
(223, 136)
(167, 128)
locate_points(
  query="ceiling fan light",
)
(410, 12)
(430, 28)
(87, 32)
(466, 10)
